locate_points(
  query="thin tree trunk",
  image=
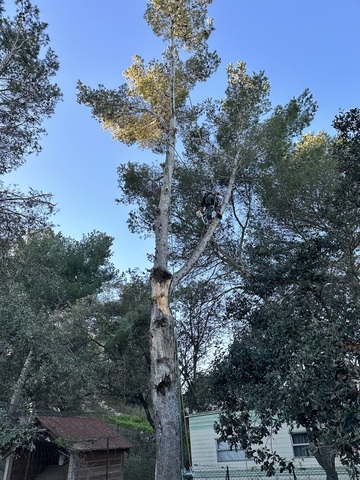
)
(146, 408)
(8, 467)
(325, 457)
(14, 405)
(19, 386)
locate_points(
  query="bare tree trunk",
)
(8, 467)
(14, 404)
(164, 376)
(163, 352)
(20, 383)
(165, 393)
(146, 407)
(325, 457)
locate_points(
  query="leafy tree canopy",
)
(44, 277)
(27, 65)
(27, 98)
(227, 143)
(55, 271)
(295, 358)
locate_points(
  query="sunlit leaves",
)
(184, 20)
(248, 94)
(140, 111)
(297, 186)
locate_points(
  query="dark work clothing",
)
(209, 205)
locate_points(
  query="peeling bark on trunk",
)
(164, 378)
(164, 372)
(325, 457)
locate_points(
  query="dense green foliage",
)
(27, 94)
(27, 98)
(281, 268)
(55, 271)
(44, 276)
(228, 144)
(295, 358)
(121, 330)
(146, 112)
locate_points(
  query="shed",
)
(71, 448)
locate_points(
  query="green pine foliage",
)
(295, 357)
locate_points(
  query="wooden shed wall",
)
(27, 465)
(100, 465)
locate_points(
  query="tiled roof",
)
(83, 433)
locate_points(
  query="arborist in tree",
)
(210, 207)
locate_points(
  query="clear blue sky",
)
(298, 43)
